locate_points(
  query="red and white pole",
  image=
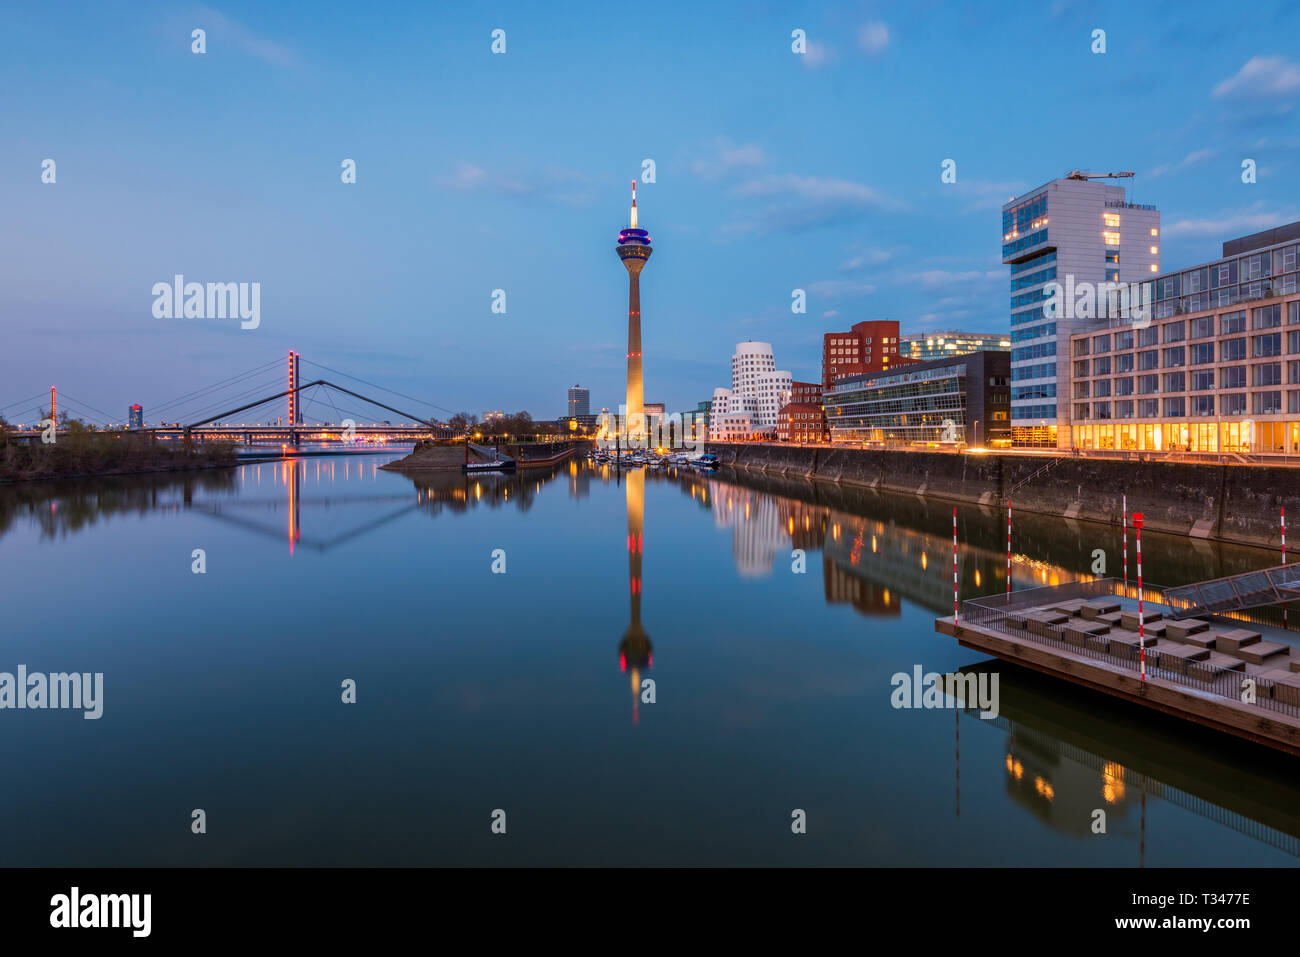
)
(1142, 645)
(1008, 547)
(1126, 542)
(954, 565)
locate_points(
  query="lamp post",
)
(977, 433)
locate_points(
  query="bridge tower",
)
(54, 406)
(293, 385)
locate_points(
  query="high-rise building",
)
(1084, 235)
(867, 347)
(634, 250)
(135, 417)
(923, 346)
(579, 401)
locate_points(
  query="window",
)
(1293, 401)
(1150, 383)
(1202, 380)
(1124, 386)
(1266, 403)
(1101, 366)
(1175, 382)
(1148, 408)
(1203, 327)
(1124, 340)
(1149, 360)
(1234, 377)
(1101, 344)
(1175, 331)
(1176, 408)
(1081, 369)
(1231, 323)
(1150, 336)
(1101, 388)
(1267, 317)
(1101, 410)
(1293, 340)
(1202, 405)
(1234, 404)
(1081, 390)
(1124, 362)
(1202, 353)
(1176, 356)
(1267, 373)
(1232, 350)
(1081, 347)
(1268, 345)
(1124, 409)
(1293, 312)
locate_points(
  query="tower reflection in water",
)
(635, 651)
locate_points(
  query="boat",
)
(496, 465)
(706, 461)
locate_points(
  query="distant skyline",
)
(478, 171)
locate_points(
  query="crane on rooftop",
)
(1079, 174)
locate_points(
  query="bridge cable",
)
(376, 385)
(232, 379)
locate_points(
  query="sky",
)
(479, 171)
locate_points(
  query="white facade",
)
(1073, 232)
(758, 390)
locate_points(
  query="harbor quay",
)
(1214, 670)
(1228, 503)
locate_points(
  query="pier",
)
(1208, 670)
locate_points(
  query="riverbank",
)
(94, 454)
(1216, 502)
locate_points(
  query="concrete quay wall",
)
(1231, 503)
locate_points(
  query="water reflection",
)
(635, 651)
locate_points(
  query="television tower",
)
(634, 249)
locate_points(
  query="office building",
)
(135, 417)
(1083, 234)
(867, 347)
(803, 418)
(758, 391)
(936, 345)
(1214, 368)
(943, 402)
(579, 401)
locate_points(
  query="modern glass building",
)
(1215, 368)
(1078, 232)
(958, 400)
(579, 401)
(936, 345)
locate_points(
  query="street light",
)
(977, 433)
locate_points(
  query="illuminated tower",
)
(634, 249)
(635, 651)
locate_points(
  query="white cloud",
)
(1225, 226)
(874, 38)
(726, 157)
(221, 27)
(789, 203)
(870, 257)
(1262, 76)
(1191, 159)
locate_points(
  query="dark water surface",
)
(479, 691)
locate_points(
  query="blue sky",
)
(476, 172)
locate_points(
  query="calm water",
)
(479, 691)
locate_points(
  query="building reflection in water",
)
(1063, 759)
(635, 651)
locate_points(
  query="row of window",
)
(1179, 407)
(1043, 370)
(1202, 353)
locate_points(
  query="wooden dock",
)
(1208, 671)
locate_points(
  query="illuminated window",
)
(1110, 238)
(1155, 232)
(1155, 250)
(1111, 219)
(1153, 267)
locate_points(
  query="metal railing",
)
(1011, 615)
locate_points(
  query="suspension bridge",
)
(269, 405)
